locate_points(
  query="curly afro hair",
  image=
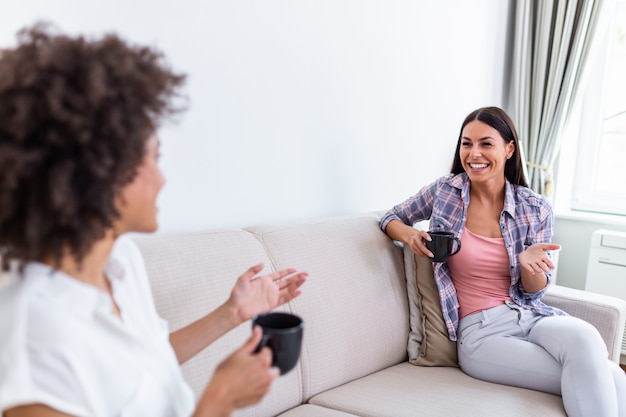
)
(75, 115)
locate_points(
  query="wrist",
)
(229, 314)
(215, 402)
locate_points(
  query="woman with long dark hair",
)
(491, 290)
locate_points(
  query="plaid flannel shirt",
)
(526, 219)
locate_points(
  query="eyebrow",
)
(485, 138)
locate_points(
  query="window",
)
(600, 175)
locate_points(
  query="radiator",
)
(606, 270)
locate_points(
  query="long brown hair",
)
(502, 122)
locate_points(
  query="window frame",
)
(585, 197)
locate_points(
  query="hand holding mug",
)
(442, 245)
(242, 379)
(416, 240)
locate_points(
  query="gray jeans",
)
(561, 355)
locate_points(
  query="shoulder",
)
(458, 181)
(454, 180)
(449, 185)
(28, 311)
(32, 329)
(528, 202)
(20, 302)
(125, 248)
(449, 181)
(527, 196)
(13, 314)
(125, 257)
(126, 264)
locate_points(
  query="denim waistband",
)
(485, 315)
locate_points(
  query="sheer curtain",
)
(553, 42)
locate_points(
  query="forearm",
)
(533, 283)
(193, 338)
(242, 379)
(534, 264)
(214, 403)
(399, 231)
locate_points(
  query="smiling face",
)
(483, 153)
(136, 202)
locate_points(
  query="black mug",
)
(282, 333)
(442, 245)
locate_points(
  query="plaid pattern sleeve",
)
(532, 222)
(414, 209)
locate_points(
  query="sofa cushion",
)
(428, 344)
(193, 273)
(405, 390)
(308, 410)
(354, 303)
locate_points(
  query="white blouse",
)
(62, 346)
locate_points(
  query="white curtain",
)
(553, 42)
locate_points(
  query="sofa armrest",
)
(606, 313)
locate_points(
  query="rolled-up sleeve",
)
(414, 209)
(543, 229)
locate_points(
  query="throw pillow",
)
(428, 343)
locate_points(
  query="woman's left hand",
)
(253, 295)
(535, 258)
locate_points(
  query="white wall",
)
(302, 108)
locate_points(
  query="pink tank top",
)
(480, 273)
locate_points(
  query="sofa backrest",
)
(354, 303)
(193, 273)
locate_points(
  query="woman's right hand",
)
(416, 239)
(242, 379)
(409, 236)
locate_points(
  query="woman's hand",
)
(253, 295)
(535, 258)
(242, 379)
(534, 264)
(409, 236)
(416, 240)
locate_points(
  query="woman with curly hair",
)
(78, 170)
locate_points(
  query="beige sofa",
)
(355, 305)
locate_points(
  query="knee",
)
(619, 377)
(584, 339)
(577, 338)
